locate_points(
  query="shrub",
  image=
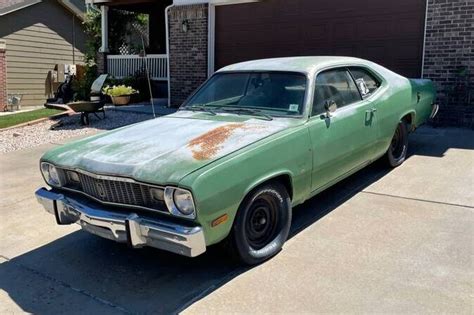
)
(119, 90)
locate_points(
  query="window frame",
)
(346, 68)
(371, 73)
(305, 104)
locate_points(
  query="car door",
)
(342, 141)
(371, 88)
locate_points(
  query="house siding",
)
(36, 42)
(188, 50)
(449, 48)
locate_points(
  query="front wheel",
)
(397, 152)
(262, 224)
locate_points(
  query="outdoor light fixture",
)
(185, 25)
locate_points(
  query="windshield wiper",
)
(250, 111)
(201, 107)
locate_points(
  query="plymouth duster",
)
(255, 140)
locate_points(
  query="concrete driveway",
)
(380, 241)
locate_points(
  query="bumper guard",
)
(434, 110)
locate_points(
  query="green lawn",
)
(15, 119)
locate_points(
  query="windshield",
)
(275, 93)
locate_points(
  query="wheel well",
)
(410, 120)
(285, 180)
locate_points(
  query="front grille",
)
(115, 191)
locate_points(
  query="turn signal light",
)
(219, 220)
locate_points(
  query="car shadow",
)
(148, 280)
(435, 142)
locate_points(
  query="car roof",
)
(308, 65)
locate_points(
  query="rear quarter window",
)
(368, 80)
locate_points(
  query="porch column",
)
(104, 28)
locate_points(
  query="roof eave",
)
(73, 9)
(20, 7)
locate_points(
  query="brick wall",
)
(101, 61)
(3, 79)
(449, 59)
(188, 50)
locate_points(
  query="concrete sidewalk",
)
(380, 241)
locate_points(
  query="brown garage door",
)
(387, 32)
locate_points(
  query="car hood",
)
(164, 150)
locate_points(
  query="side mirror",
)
(330, 107)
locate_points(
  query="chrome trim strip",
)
(108, 177)
(125, 228)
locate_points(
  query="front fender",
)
(220, 187)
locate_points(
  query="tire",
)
(262, 224)
(397, 151)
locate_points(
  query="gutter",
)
(167, 10)
(424, 41)
(71, 7)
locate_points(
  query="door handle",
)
(369, 115)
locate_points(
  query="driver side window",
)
(334, 86)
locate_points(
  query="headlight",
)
(180, 202)
(50, 174)
(184, 201)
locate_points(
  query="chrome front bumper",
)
(132, 229)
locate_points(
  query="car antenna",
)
(143, 55)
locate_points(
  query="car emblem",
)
(100, 189)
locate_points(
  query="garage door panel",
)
(348, 50)
(319, 31)
(343, 30)
(390, 33)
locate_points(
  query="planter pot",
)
(120, 100)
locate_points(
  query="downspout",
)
(73, 39)
(167, 10)
(424, 41)
(94, 8)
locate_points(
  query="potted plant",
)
(120, 94)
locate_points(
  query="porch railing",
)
(121, 66)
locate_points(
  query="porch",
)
(121, 66)
(133, 49)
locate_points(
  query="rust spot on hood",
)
(207, 145)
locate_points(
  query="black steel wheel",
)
(262, 224)
(262, 221)
(398, 148)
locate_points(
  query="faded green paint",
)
(313, 152)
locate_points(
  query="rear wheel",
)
(262, 224)
(397, 151)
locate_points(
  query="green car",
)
(257, 139)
